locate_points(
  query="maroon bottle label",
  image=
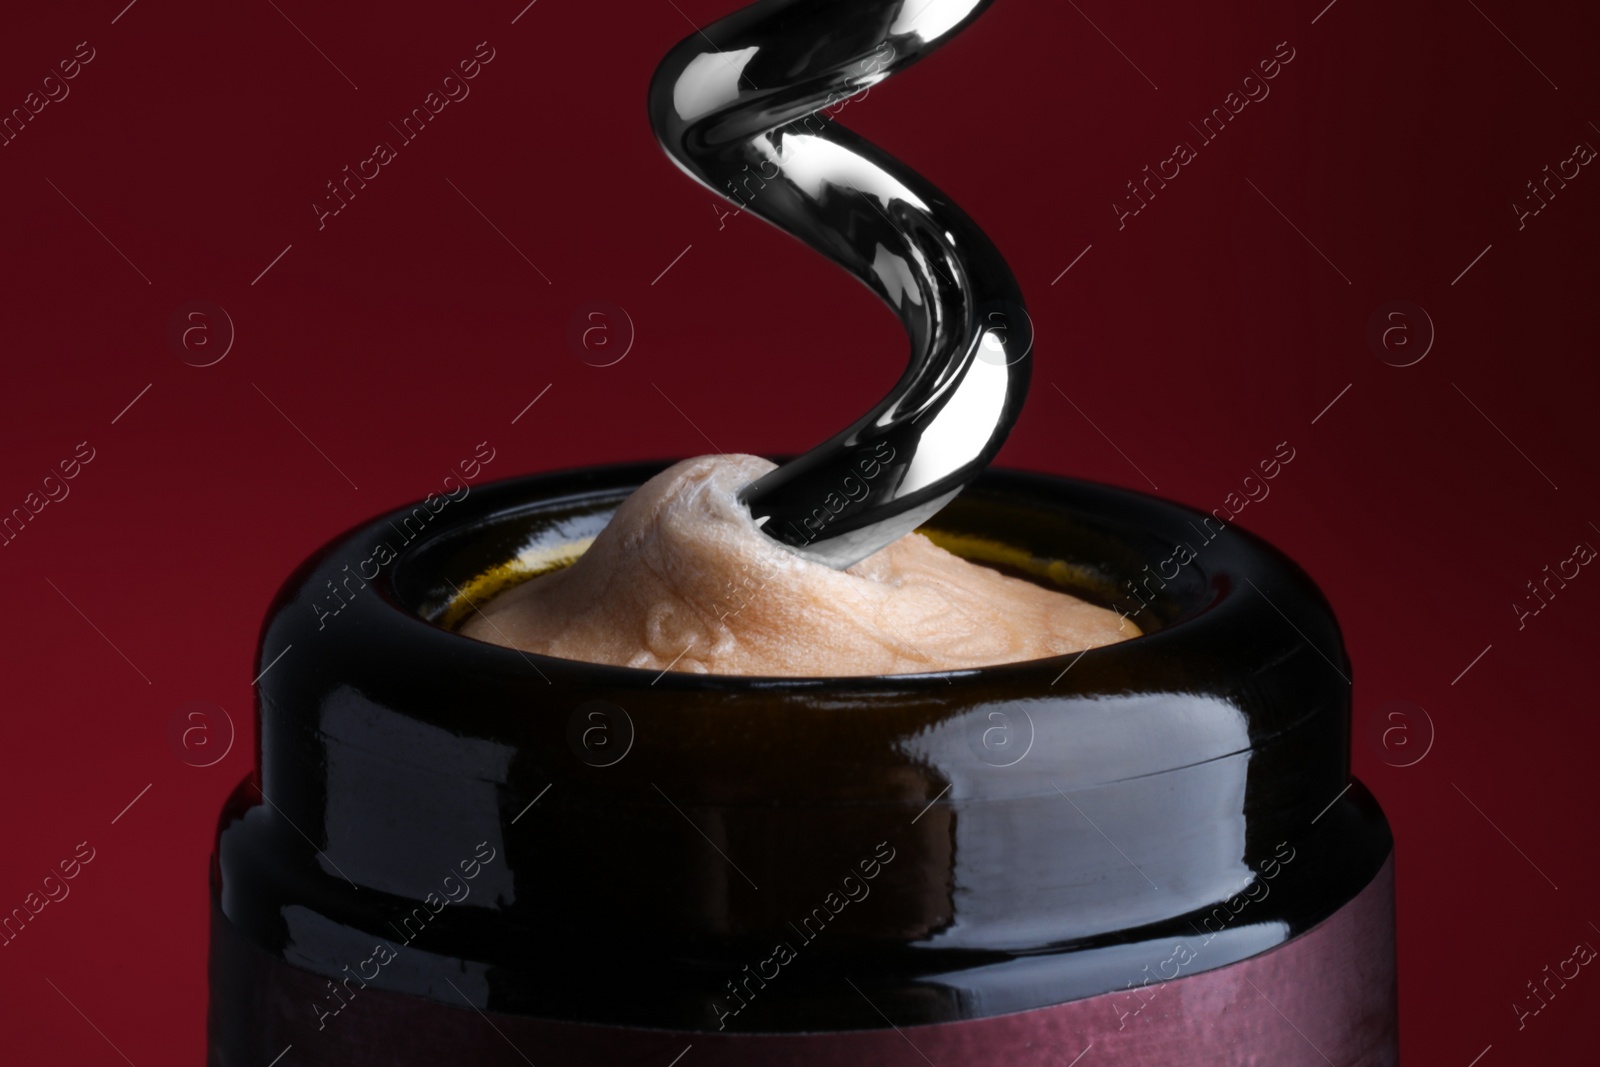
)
(1327, 996)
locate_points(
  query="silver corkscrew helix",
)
(740, 107)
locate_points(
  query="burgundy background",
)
(408, 329)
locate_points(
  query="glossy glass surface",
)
(1052, 824)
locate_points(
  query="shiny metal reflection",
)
(747, 107)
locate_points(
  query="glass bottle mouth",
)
(1157, 562)
(1056, 811)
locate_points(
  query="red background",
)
(408, 329)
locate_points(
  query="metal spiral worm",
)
(740, 106)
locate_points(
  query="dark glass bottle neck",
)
(962, 843)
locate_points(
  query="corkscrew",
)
(745, 106)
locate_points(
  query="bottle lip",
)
(1241, 652)
(1238, 555)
